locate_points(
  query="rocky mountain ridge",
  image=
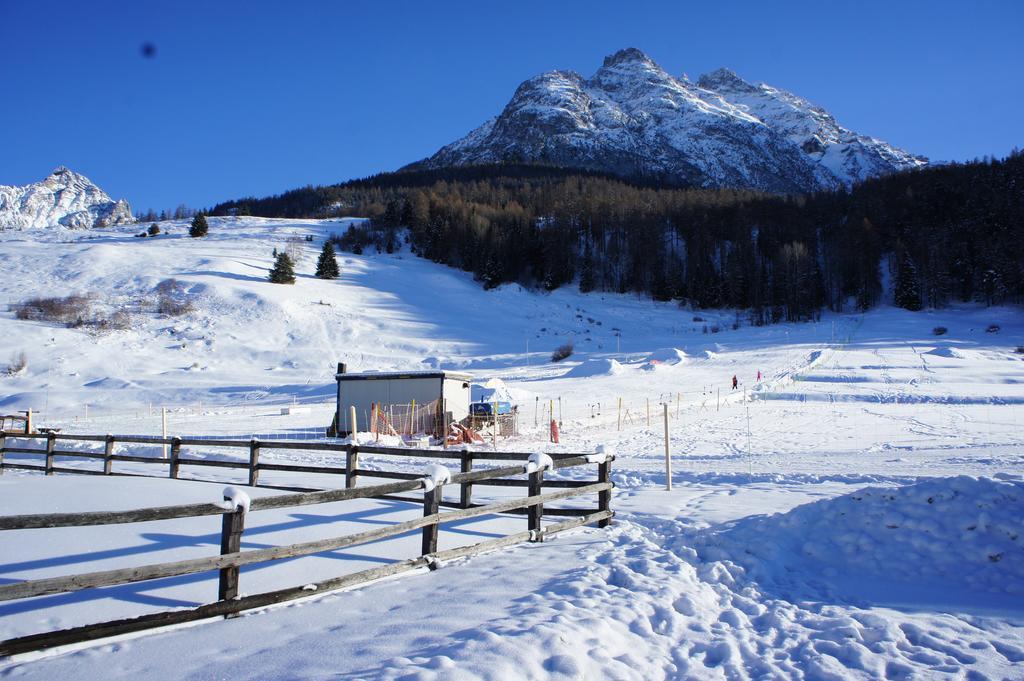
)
(64, 199)
(634, 119)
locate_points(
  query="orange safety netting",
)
(407, 419)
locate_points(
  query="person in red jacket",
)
(734, 382)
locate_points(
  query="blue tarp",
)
(487, 408)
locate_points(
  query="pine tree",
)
(660, 289)
(283, 271)
(587, 271)
(199, 226)
(491, 275)
(907, 292)
(327, 264)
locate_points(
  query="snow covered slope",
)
(634, 119)
(66, 199)
(820, 524)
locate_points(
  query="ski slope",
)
(837, 519)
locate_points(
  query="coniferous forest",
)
(942, 234)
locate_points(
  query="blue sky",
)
(258, 97)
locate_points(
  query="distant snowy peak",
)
(839, 152)
(632, 118)
(65, 198)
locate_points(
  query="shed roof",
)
(396, 375)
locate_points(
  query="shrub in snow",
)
(71, 310)
(1020, 350)
(562, 352)
(294, 246)
(939, 331)
(283, 271)
(153, 230)
(118, 321)
(199, 226)
(170, 298)
(18, 364)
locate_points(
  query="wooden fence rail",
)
(232, 558)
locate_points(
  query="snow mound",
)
(929, 541)
(436, 475)
(947, 351)
(110, 383)
(235, 499)
(595, 367)
(491, 391)
(665, 357)
(709, 354)
(539, 462)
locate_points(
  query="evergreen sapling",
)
(327, 264)
(283, 271)
(199, 226)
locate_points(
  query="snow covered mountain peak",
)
(634, 119)
(629, 55)
(836, 151)
(723, 78)
(64, 198)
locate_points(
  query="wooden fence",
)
(231, 557)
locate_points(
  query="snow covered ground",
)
(855, 514)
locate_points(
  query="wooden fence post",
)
(351, 465)
(534, 513)
(163, 429)
(466, 491)
(232, 526)
(668, 453)
(3, 446)
(175, 453)
(445, 428)
(604, 499)
(51, 443)
(431, 505)
(254, 462)
(108, 453)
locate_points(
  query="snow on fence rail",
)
(235, 506)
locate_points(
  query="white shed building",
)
(395, 391)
